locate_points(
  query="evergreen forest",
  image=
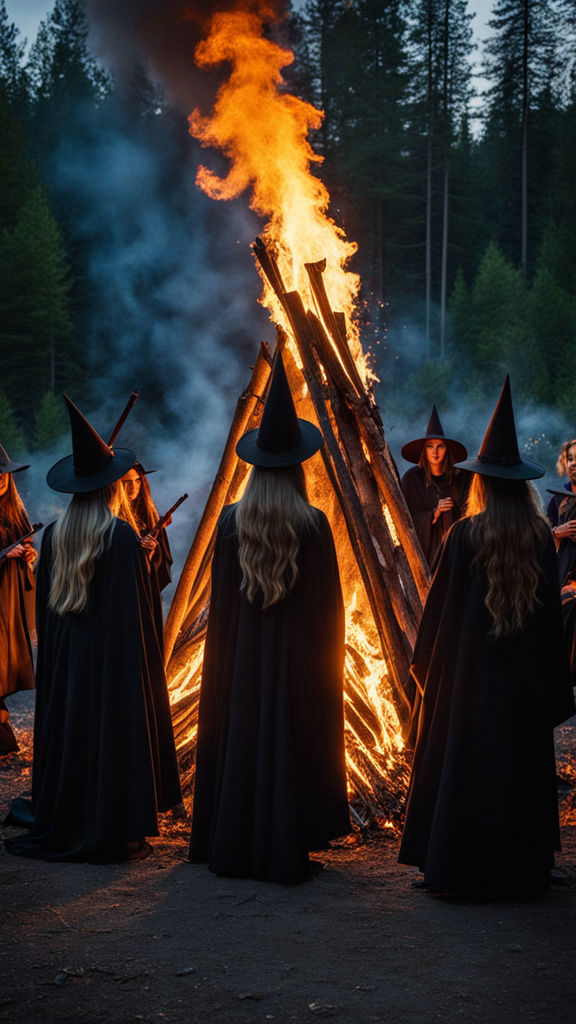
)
(459, 188)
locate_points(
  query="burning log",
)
(383, 574)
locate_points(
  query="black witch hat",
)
(6, 464)
(499, 454)
(282, 439)
(434, 432)
(93, 463)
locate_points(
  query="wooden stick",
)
(244, 410)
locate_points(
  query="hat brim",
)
(250, 451)
(14, 467)
(522, 470)
(561, 494)
(61, 477)
(413, 449)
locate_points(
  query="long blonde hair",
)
(79, 537)
(508, 531)
(270, 519)
(14, 520)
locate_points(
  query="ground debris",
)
(323, 1009)
(68, 972)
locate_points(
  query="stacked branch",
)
(389, 572)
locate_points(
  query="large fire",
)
(263, 131)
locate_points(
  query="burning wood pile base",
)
(384, 578)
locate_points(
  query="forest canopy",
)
(460, 193)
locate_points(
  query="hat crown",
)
(434, 428)
(500, 444)
(89, 452)
(279, 427)
(4, 458)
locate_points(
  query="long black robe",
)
(16, 617)
(422, 499)
(482, 805)
(104, 755)
(270, 769)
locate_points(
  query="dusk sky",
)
(27, 14)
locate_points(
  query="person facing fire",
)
(104, 756)
(435, 491)
(482, 813)
(270, 770)
(16, 598)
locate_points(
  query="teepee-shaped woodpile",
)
(384, 578)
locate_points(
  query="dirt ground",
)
(165, 941)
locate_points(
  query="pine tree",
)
(18, 173)
(36, 351)
(441, 47)
(501, 338)
(11, 438)
(66, 80)
(522, 65)
(49, 421)
(359, 53)
(13, 77)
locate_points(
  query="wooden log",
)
(244, 410)
(409, 559)
(394, 642)
(334, 326)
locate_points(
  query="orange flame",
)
(263, 130)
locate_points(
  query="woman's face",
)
(132, 482)
(570, 460)
(4, 483)
(435, 454)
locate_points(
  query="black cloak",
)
(270, 768)
(422, 499)
(104, 755)
(482, 804)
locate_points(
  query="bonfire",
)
(311, 295)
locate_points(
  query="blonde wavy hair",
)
(79, 537)
(271, 517)
(508, 532)
(14, 520)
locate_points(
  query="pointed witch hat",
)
(499, 454)
(6, 464)
(93, 463)
(282, 439)
(434, 432)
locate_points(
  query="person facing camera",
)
(435, 490)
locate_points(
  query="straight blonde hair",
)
(79, 537)
(271, 517)
(508, 532)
